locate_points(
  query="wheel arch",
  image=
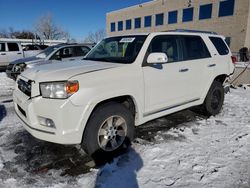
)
(127, 100)
(221, 78)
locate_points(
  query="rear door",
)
(3, 55)
(14, 51)
(197, 58)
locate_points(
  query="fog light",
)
(46, 122)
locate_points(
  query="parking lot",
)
(180, 150)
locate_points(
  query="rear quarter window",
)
(220, 45)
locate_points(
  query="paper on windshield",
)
(127, 40)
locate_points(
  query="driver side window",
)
(63, 53)
(167, 45)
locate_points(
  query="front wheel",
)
(109, 129)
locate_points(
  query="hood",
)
(27, 60)
(65, 70)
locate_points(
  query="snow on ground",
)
(180, 150)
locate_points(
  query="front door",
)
(176, 82)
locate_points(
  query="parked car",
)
(11, 51)
(57, 53)
(123, 82)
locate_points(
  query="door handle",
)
(183, 70)
(19, 53)
(212, 65)
(3, 53)
(71, 59)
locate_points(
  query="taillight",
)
(234, 59)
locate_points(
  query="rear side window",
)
(220, 45)
(13, 47)
(2, 47)
(81, 50)
(194, 48)
(166, 44)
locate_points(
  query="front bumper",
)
(68, 118)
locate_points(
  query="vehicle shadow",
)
(178, 120)
(121, 171)
(3, 112)
(37, 157)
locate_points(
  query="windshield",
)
(45, 53)
(123, 49)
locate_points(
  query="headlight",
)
(19, 67)
(59, 90)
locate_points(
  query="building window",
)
(120, 25)
(205, 11)
(147, 21)
(137, 23)
(112, 27)
(159, 19)
(128, 24)
(226, 8)
(188, 14)
(172, 17)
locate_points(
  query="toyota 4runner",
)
(123, 82)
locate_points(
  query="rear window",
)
(220, 45)
(194, 48)
(13, 47)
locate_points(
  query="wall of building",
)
(247, 40)
(235, 27)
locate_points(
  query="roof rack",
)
(192, 31)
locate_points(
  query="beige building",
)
(230, 18)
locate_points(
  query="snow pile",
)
(180, 150)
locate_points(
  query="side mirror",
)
(157, 58)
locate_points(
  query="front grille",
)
(24, 86)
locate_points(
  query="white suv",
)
(123, 82)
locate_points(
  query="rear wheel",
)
(110, 129)
(214, 100)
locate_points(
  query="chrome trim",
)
(169, 107)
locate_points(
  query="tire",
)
(109, 130)
(214, 100)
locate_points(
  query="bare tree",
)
(7, 33)
(95, 36)
(23, 34)
(4, 33)
(47, 29)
